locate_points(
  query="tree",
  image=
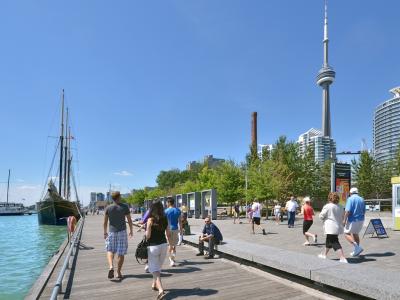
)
(229, 182)
(167, 179)
(138, 197)
(206, 178)
(364, 174)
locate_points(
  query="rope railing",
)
(73, 244)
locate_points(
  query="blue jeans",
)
(291, 217)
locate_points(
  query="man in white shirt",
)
(256, 209)
(291, 207)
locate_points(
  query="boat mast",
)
(69, 165)
(61, 143)
(66, 149)
(8, 184)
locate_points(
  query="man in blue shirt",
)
(173, 215)
(353, 220)
(210, 234)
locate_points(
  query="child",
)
(277, 212)
(332, 216)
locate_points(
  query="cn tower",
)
(325, 78)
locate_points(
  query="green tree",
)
(207, 178)
(168, 179)
(364, 174)
(138, 197)
(229, 182)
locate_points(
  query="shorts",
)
(156, 257)
(353, 227)
(332, 241)
(173, 237)
(306, 225)
(256, 220)
(117, 242)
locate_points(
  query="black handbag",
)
(141, 250)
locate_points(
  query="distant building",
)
(100, 197)
(324, 147)
(265, 147)
(93, 197)
(386, 131)
(208, 160)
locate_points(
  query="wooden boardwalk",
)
(193, 278)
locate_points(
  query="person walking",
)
(236, 212)
(210, 234)
(332, 216)
(173, 215)
(256, 209)
(353, 220)
(308, 212)
(249, 213)
(291, 207)
(116, 237)
(277, 212)
(157, 235)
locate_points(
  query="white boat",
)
(10, 208)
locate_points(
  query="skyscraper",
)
(325, 78)
(323, 146)
(386, 132)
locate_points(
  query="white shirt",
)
(332, 216)
(291, 205)
(256, 208)
(277, 209)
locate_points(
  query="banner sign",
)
(341, 180)
(376, 226)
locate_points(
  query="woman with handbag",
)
(156, 234)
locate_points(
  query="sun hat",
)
(307, 199)
(353, 190)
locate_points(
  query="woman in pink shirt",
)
(308, 212)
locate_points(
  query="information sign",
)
(376, 226)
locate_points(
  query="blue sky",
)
(152, 85)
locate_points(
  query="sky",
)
(152, 85)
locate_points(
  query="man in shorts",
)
(353, 220)
(116, 238)
(173, 215)
(256, 209)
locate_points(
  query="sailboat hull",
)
(56, 212)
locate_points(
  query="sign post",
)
(341, 180)
(396, 202)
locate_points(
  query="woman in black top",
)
(156, 235)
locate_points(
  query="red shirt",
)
(308, 212)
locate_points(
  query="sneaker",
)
(172, 263)
(352, 254)
(146, 268)
(306, 244)
(209, 257)
(357, 250)
(343, 260)
(200, 254)
(323, 256)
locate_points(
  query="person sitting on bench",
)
(210, 234)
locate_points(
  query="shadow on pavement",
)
(174, 293)
(379, 254)
(84, 247)
(182, 271)
(190, 263)
(359, 260)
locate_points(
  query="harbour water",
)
(25, 249)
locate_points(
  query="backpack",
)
(141, 250)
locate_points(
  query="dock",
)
(193, 277)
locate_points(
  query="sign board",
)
(376, 226)
(341, 180)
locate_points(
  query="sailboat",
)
(56, 205)
(11, 208)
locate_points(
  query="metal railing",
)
(378, 204)
(73, 244)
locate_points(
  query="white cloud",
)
(20, 180)
(123, 173)
(29, 187)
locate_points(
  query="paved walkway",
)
(376, 273)
(193, 278)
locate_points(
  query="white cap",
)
(353, 190)
(307, 199)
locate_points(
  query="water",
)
(25, 249)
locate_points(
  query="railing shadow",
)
(175, 293)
